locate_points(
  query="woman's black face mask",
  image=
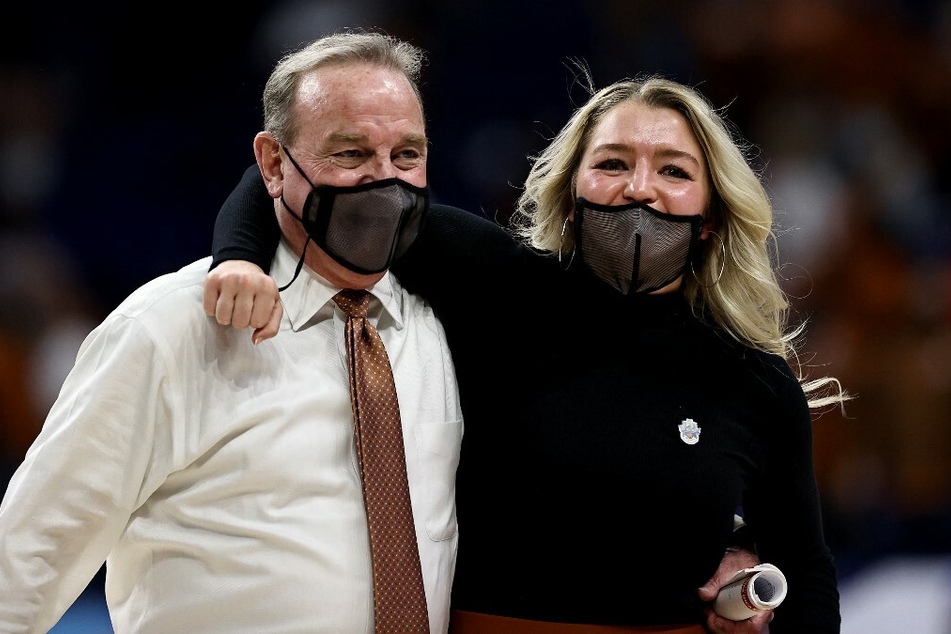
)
(364, 227)
(634, 247)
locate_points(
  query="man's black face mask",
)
(364, 227)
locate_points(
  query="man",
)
(217, 479)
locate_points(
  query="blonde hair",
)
(736, 284)
(348, 47)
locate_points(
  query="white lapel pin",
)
(689, 431)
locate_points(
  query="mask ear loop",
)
(300, 265)
(564, 227)
(300, 262)
(722, 263)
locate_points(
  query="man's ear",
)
(267, 151)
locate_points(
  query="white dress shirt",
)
(219, 479)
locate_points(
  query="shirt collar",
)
(310, 294)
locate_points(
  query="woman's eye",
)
(676, 172)
(611, 165)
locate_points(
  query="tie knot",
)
(353, 301)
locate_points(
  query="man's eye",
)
(409, 159)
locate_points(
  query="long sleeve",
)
(246, 228)
(460, 254)
(70, 500)
(785, 509)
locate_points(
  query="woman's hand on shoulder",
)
(240, 294)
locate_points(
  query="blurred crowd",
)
(123, 128)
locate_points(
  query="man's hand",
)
(734, 559)
(240, 294)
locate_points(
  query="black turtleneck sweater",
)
(578, 498)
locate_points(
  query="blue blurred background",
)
(124, 126)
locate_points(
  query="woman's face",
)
(645, 155)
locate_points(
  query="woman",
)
(631, 358)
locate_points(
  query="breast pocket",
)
(439, 445)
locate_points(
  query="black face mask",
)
(635, 248)
(364, 227)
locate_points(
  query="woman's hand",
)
(734, 559)
(240, 294)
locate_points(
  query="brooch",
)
(689, 431)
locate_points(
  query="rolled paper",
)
(750, 591)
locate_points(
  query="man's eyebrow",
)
(353, 137)
(417, 139)
(347, 137)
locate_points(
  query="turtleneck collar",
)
(591, 289)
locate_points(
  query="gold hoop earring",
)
(722, 263)
(564, 227)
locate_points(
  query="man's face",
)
(357, 124)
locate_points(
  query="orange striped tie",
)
(399, 598)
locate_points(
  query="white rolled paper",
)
(749, 591)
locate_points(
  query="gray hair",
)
(280, 91)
